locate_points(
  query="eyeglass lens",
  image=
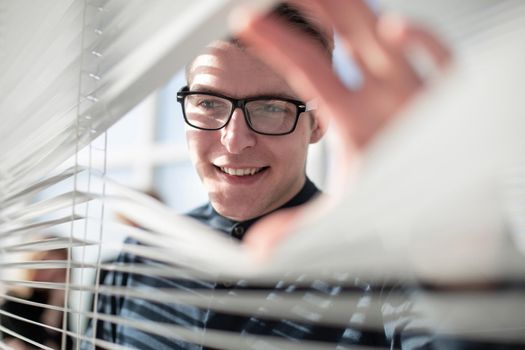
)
(271, 116)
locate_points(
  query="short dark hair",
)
(297, 21)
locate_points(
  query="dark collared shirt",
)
(307, 327)
(207, 215)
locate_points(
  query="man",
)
(248, 134)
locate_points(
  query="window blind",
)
(71, 69)
(435, 185)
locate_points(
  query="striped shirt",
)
(307, 324)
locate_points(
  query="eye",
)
(273, 108)
(206, 103)
(270, 107)
(210, 104)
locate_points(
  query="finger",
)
(355, 24)
(404, 35)
(290, 54)
(379, 62)
(274, 229)
(262, 238)
(315, 7)
(313, 13)
(306, 68)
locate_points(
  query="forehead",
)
(232, 70)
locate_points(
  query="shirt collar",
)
(237, 229)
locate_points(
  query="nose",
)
(236, 137)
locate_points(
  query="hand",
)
(17, 344)
(378, 46)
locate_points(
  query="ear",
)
(319, 127)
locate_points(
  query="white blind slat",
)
(434, 185)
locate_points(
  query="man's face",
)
(221, 156)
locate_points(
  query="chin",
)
(234, 212)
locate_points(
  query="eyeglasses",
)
(266, 115)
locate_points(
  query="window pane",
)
(179, 186)
(170, 123)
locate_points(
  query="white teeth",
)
(240, 172)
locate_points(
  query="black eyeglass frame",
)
(240, 103)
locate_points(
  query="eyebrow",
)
(205, 89)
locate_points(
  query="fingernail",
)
(240, 18)
(392, 26)
(244, 14)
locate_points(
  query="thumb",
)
(264, 235)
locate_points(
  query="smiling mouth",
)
(241, 171)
